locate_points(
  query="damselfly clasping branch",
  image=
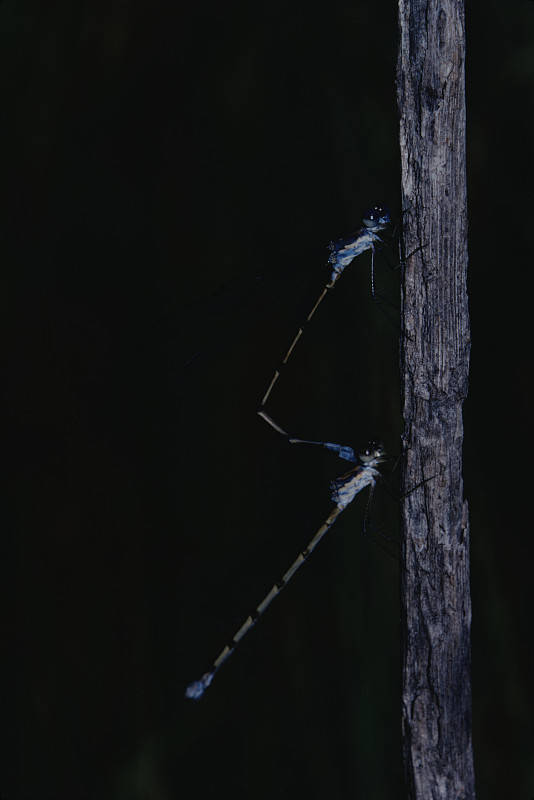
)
(344, 251)
(343, 490)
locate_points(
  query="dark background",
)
(152, 154)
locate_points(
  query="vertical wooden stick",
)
(435, 362)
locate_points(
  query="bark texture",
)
(435, 361)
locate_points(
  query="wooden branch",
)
(435, 361)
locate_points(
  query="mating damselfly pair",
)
(364, 472)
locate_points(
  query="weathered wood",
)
(435, 361)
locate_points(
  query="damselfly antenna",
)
(343, 491)
(344, 251)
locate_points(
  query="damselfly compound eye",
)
(374, 451)
(376, 217)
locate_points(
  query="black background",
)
(152, 154)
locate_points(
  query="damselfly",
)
(343, 490)
(344, 251)
(199, 331)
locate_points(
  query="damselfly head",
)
(376, 217)
(373, 451)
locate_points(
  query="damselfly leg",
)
(343, 491)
